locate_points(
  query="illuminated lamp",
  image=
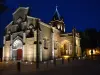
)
(66, 56)
(31, 63)
(94, 52)
(26, 62)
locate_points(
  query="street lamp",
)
(74, 41)
(37, 46)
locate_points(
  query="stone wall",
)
(57, 41)
(78, 48)
(45, 34)
(29, 49)
(6, 50)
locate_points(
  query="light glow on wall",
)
(30, 52)
(64, 29)
(58, 26)
(3, 53)
(66, 56)
(53, 45)
(94, 52)
(34, 53)
(77, 41)
(23, 51)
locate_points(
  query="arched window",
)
(17, 48)
(55, 45)
(58, 26)
(65, 46)
(61, 28)
(17, 44)
(19, 20)
(70, 50)
(45, 43)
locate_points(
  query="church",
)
(27, 38)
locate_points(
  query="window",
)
(30, 26)
(65, 46)
(17, 44)
(58, 26)
(45, 44)
(19, 20)
(55, 45)
(61, 28)
(70, 47)
(70, 50)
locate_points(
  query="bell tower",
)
(58, 21)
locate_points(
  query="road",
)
(76, 67)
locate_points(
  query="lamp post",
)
(92, 54)
(74, 42)
(37, 46)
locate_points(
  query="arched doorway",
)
(17, 51)
(65, 47)
(66, 51)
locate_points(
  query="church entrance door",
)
(17, 50)
(19, 54)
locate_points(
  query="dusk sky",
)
(79, 13)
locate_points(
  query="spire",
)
(56, 8)
(57, 21)
(56, 14)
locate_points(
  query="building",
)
(28, 38)
(95, 51)
(0, 54)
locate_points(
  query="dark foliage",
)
(89, 39)
(2, 6)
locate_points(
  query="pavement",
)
(75, 67)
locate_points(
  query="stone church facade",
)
(27, 37)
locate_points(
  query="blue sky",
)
(79, 13)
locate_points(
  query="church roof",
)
(56, 15)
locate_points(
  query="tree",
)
(2, 6)
(92, 37)
(98, 39)
(89, 39)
